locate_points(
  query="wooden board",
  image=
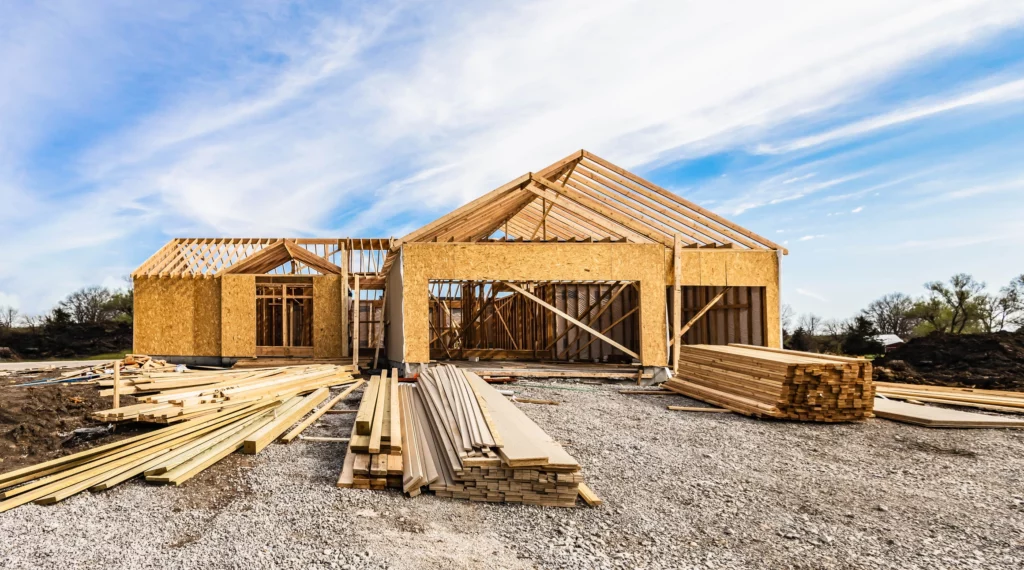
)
(931, 416)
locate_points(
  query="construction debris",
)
(131, 365)
(774, 383)
(225, 413)
(698, 409)
(460, 439)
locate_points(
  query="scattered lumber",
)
(103, 372)
(532, 401)
(991, 400)
(217, 418)
(775, 383)
(656, 392)
(589, 496)
(934, 417)
(462, 439)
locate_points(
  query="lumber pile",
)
(103, 372)
(170, 397)
(934, 417)
(774, 383)
(374, 459)
(250, 416)
(462, 439)
(991, 400)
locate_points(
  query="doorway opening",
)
(284, 316)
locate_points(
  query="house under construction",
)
(580, 261)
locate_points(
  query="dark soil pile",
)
(991, 361)
(68, 341)
(36, 423)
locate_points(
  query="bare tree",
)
(786, 316)
(8, 317)
(810, 323)
(891, 314)
(87, 305)
(32, 322)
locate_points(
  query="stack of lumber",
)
(462, 439)
(166, 398)
(374, 458)
(175, 453)
(991, 400)
(774, 383)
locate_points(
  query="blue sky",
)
(882, 142)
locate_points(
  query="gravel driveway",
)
(681, 490)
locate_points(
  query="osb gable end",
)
(327, 316)
(163, 316)
(645, 263)
(707, 267)
(238, 315)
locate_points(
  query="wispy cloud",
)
(810, 237)
(1003, 93)
(811, 295)
(857, 210)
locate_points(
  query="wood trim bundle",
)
(462, 439)
(774, 383)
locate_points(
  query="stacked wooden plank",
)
(175, 453)
(103, 372)
(774, 383)
(166, 398)
(374, 459)
(462, 439)
(991, 400)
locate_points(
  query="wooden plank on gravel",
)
(930, 416)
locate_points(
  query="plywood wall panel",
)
(205, 317)
(327, 316)
(163, 316)
(238, 315)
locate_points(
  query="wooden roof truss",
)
(586, 198)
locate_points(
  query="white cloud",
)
(811, 294)
(857, 210)
(1003, 93)
(810, 237)
(394, 123)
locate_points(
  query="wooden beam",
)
(355, 326)
(677, 301)
(701, 312)
(566, 316)
(323, 409)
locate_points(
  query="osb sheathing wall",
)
(327, 316)
(744, 268)
(645, 263)
(238, 315)
(177, 317)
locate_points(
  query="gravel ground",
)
(681, 490)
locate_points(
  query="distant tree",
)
(859, 337)
(120, 306)
(961, 297)
(8, 317)
(58, 318)
(786, 316)
(931, 315)
(892, 314)
(1013, 295)
(800, 340)
(811, 323)
(32, 322)
(88, 305)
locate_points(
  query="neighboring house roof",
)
(584, 197)
(889, 339)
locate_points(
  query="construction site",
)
(579, 368)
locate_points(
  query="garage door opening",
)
(535, 320)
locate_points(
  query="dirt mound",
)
(991, 361)
(37, 421)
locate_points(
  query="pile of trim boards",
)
(459, 438)
(772, 383)
(913, 410)
(212, 416)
